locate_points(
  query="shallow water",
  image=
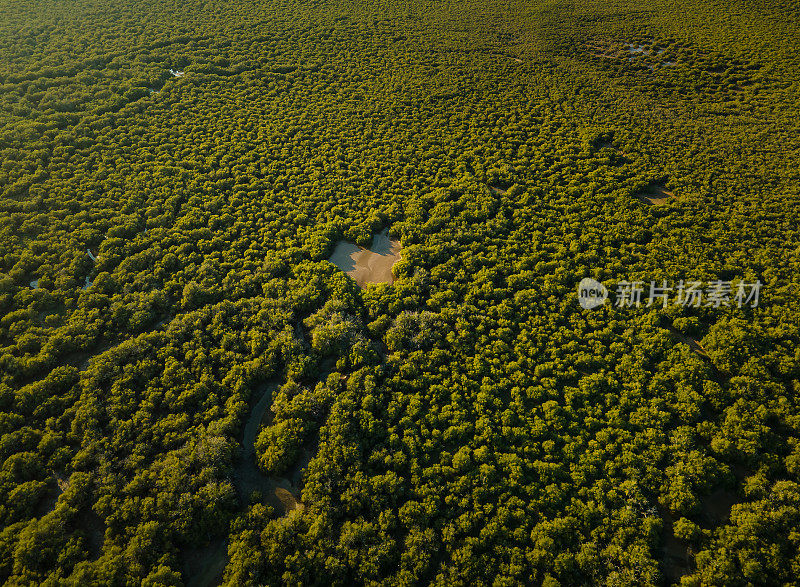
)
(372, 265)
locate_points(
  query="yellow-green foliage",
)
(470, 424)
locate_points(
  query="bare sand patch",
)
(372, 265)
(288, 500)
(691, 342)
(655, 195)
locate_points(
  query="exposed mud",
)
(676, 558)
(205, 566)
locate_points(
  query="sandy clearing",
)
(692, 343)
(288, 500)
(373, 265)
(655, 195)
